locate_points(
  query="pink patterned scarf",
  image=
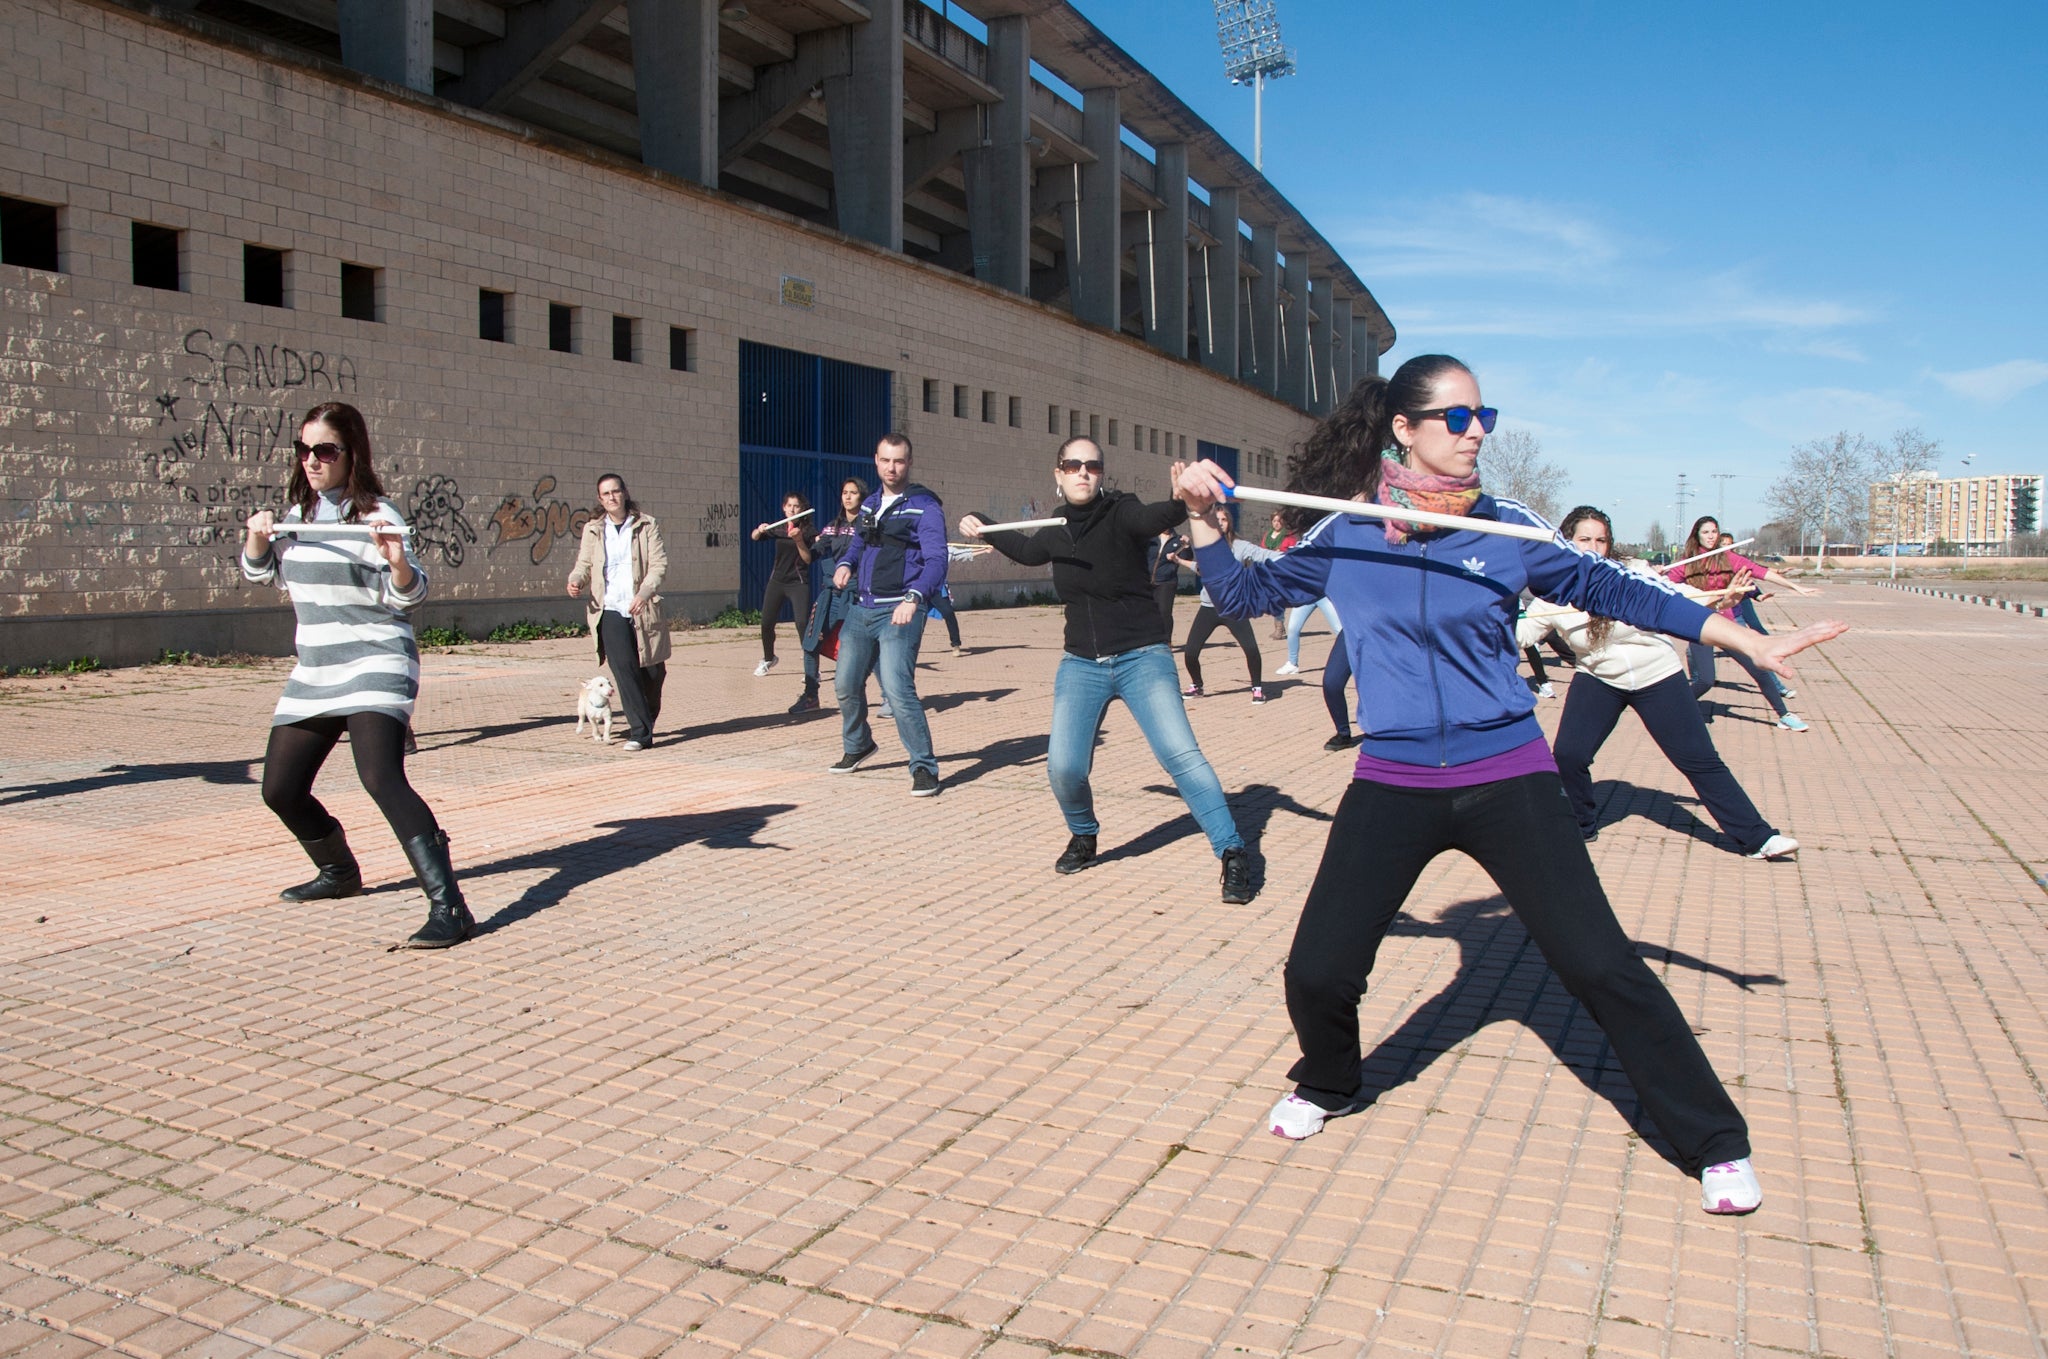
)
(1411, 490)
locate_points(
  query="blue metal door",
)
(1225, 456)
(806, 424)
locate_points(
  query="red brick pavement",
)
(757, 1060)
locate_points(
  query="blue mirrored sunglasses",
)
(1458, 419)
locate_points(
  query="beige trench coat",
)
(650, 564)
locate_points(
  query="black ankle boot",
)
(808, 703)
(448, 918)
(1079, 854)
(340, 875)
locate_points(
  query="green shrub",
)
(77, 665)
(733, 616)
(438, 636)
(525, 630)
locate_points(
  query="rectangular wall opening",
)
(490, 315)
(359, 292)
(28, 234)
(154, 250)
(561, 328)
(263, 275)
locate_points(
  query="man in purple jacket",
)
(898, 561)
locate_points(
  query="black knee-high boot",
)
(448, 918)
(340, 875)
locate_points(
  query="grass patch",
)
(77, 665)
(525, 630)
(2030, 571)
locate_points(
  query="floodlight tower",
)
(1249, 31)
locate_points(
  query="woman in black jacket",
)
(1116, 647)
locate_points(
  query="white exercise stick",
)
(791, 520)
(1015, 524)
(338, 530)
(1702, 556)
(1330, 504)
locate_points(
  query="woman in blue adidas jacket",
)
(1451, 756)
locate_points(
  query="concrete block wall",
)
(138, 427)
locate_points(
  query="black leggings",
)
(1207, 620)
(377, 740)
(1521, 832)
(1336, 680)
(1163, 593)
(799, 596)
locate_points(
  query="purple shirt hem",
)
(1533, 757)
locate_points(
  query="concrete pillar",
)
(1294, 350)
(864, 119)
(1340, 350)
(390, 39)
(1219, 352)
(1261, 367)
(999, 174)
(1367, 344)
(1167, 316)
(1322, 378)
(675, 75)
(1098, 298)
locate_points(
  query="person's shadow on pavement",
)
(628, 845)
(1502, 975)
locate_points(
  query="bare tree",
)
(1904, 463)
(1654, 540)
(1513, 467)
(1826, 487)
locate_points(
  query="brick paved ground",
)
(756, 1060)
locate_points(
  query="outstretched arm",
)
(1775, 652)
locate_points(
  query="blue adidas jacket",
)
(1430, 623)
(900, 551)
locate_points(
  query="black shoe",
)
(1080, 854)
(846, 764)
(807, 704)
(1237, 877)
(1342, 741)
(340, 875)
(923, 783)
(448, 918)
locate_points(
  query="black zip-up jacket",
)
(1099, 569)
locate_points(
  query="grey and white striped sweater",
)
(355, 643)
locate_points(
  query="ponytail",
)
(1342, 455)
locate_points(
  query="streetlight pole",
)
(1968, 458)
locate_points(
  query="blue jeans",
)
(1149, 685)
(1297, 618)
(868, 641)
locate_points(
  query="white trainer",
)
(1288, 669)
(1730, 1187)
(1777, 847)
(764, 667)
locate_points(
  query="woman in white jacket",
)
(1624, 667)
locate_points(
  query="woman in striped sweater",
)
(358, 667)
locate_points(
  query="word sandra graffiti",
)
(717, 522)
(434, 509)
(542, 521)
(239, 367)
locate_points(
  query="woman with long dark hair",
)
(1622, 667)
(1712, 571)
(1452, 757)
(833, 605)
(790, 576)
(622, 560)
(358, 666)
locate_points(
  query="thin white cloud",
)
(1815, 412)
(1480, 235)
(1819, 349)
(1999, 382)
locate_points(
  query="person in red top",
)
(1712, 573)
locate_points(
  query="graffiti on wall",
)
(719, 523)
(539, 520)
(239, 400)
(439, 528)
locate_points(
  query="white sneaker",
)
(1730, 1187)
(1288, 669)
(1544, 690)
(1792, 722)
(763, 668)
(1783, 692)
(1295, 1118)
(1777, 847)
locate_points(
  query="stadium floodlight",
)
(1249, 31)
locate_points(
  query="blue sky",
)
(1676, 239)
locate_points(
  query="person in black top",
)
(790, 577)
(1163, 556)
(1115, 648)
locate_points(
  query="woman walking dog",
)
(358, 666)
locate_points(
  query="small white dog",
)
(594, 705)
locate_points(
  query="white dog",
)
(594, 705)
